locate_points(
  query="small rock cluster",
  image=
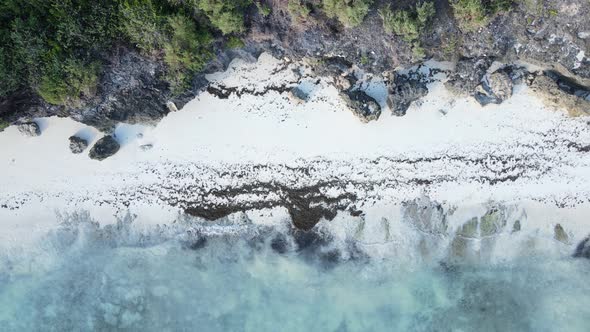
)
(30, 129)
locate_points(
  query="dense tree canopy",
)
(57, 47)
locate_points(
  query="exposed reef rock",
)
(426, 215)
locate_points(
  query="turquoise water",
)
(84, 278)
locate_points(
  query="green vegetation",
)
(263, 9)
(142, 25)
(57, 47)
(225, 15)
(450, 45)
(234, 42)
(3, 124)
(63, 83)
(185, 52)
(409, 24)
(472, 14)
(349, 12)
(298, 10)
(365, 59)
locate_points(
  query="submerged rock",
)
(492, 222)
(30, 129)
(297, 95)
(560, 234)
(426, 215)
(77, 144)
(362, 105)
(583, 249)
(516, 227)
(469, 229)
(104, 148)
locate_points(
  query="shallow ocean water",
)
(83, 277)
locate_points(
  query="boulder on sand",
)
(104, 148)
(30, 129)
(77, 144)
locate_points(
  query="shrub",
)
(55, 47)
(472, 14)
(3, 124)
(64, 83)
(401, 23)
(141, 25)
(409, 24)
(349, 12)
(425, 12)
(10, 79)
(226, 16)
(186, 51)
(234, 42)
(263, 9)
(297, 10)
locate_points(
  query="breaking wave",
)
(236, 275)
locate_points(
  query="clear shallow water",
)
(87, 278)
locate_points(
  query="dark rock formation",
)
(30, 129)
(362, 105)
(104, 148)
(77, 144)
(496, 88)
(583, 249)
(554, 95)
(404, 91)
(468, 75)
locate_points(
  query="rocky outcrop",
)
(77, 144)
(362, 105)
(404, 91)
(30, 129)
(556, 96)
(495, 88)
(104, 148)
(468, 75)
